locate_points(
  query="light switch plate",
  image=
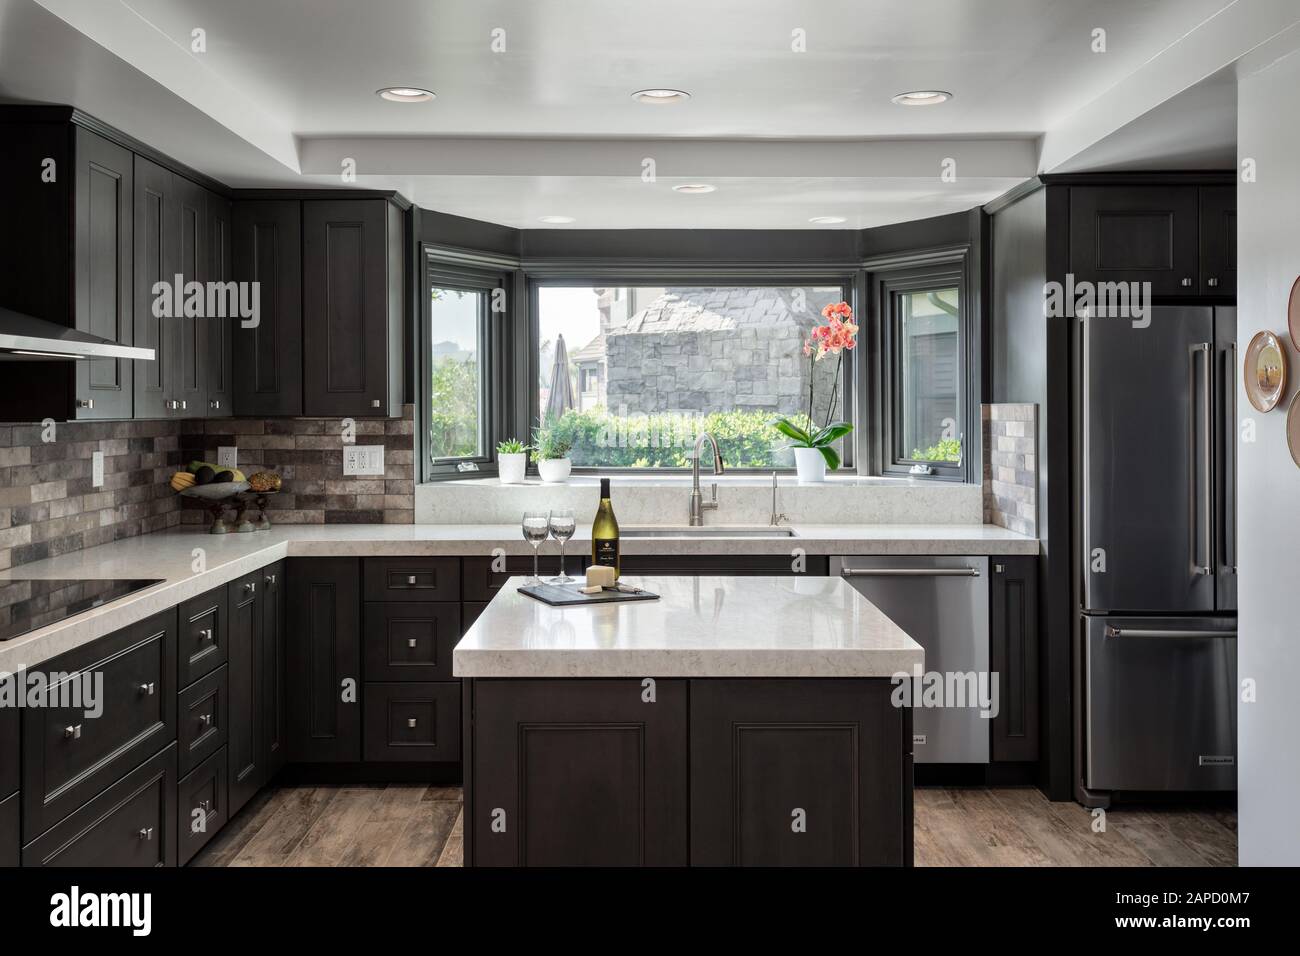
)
(96, 469)
(363, 460)
(228, 456)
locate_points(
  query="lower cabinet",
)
(799, 773)
(132, 823)
(1013, 656)
(257, 682)
(201, 806)
(10, 835)
(577, 772)
(412, 722)
(323, 650)
(202, 720)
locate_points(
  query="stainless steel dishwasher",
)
(943, 603)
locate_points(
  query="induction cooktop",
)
(30, 603)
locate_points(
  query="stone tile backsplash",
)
(48, 506)
(1011, 466)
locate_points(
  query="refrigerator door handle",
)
(1113, 631)
(1230, 537)
(1202, 521)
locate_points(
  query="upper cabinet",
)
(157, 259)
(268, 345)
(220, 328)
(1180, 238)
(352, 307)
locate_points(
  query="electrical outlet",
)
(363, 460)
(227, 456)
(96, 469)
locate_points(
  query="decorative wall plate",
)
(1264, 374)
(1293, 429)
(1293, 313)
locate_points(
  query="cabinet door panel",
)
(220, 328)
(10, 838)
(1013, 656)
(799, 773)
(324, 650)
(157, 259)
(407, 641)
(268, 357)
(579, 773)
(1136, 234)
(273, 713)
(202, 720)
(105, 183)
(1219, 240)
(245, 751)
(187, 346)
(200, 806)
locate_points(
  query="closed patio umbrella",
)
(561, 398)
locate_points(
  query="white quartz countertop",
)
(699, 627)
(188, 561)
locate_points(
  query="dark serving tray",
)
(562, 595)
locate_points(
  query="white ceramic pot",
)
(810, 465)
(554, 471)
(511, 468)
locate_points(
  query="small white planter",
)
(554, 471)
(809, 465)
(511, 468)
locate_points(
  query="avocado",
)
(204, 475)
(223, 477)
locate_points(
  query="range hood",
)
(28, 339)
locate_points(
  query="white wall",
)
(1268, 256)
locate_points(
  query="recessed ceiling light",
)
(556, 220)
(406, 94)
(827, 220)
(694, 188)
(922, 98)
(661, 97)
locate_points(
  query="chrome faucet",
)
(776, 517)
(698, 504)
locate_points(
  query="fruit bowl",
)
(215, 491)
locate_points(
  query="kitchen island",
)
(734, 721)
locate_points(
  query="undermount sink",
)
(706, 532)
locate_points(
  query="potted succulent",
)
(551, 453)
(812, 443)
(512, 460)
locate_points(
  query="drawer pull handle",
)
(73, 732)
(251, 587)
(205, 634)
(410, 579)
(270, 579)
(205, 720)
(146, 690)
(411, 642)
(205, 806)
(146, 833)
(410, 722)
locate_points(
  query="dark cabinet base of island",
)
(675, 772)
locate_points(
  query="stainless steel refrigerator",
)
(1158, 624)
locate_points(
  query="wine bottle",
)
(604, 532)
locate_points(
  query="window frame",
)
(889, 278)
(479, 274)
(616, 277)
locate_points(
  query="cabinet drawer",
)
(412, 579)
(482, 583)
(69, 756)
(203, 634)
(410, 641)
(202, 720)
(200, 806)
(9, 737)
(10, 841)
(132, 823)
(417, 722)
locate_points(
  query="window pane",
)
(456, 378)
(632, 375)
(929, 377)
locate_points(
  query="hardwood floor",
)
(415, 825)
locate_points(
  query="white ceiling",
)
(285, 91)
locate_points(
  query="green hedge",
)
(601, 440)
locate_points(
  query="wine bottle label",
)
(607, 552)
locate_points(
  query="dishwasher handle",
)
(910, 572)
(1113, 631)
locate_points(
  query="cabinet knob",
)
(374, 403)
(215, 403)
(999, 568)
(1187, 283)
(205, 634)
(411, 642)
(146, 833)
(85, 403)
(251, 587)
(205, 806)
(1212, 282)
(205, 720)
(410, 579)
(146, 690)
(184, 405)
(270, 579)
(73, 732)
(411, 722)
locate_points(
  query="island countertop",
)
(699, 627)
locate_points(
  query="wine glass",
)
(562, 527)
(537, 527)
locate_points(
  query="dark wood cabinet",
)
(132, 823)
(157, 259)
(245, 752)
(220, 329)
(274, 711)
(68, 756)
(10, 834)
(201, 806)
(187, 344)
(267, 248)
(577, 772)
(10, 738)
(1218, 240)
(68, 206)
(1013, 656)
(324, 659)
(799, 773)
(410, 641)
(412, 722)
(204, 635)
(1136, 234)
(412, 579)
(352, 307)
(202, 720)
